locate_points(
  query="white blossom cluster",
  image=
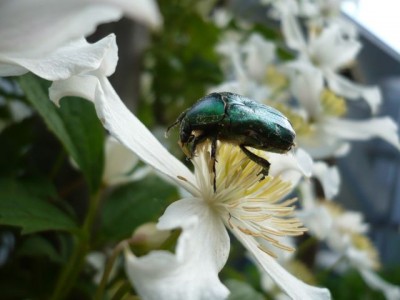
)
(52, 45)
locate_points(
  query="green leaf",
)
(75, 124)
(184, 63)
(132, 205)
(21, 207)
(40, 246)
(15, 141)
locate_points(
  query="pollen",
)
(332, 104)
(275, 79)
(364, 244)
(257, 207)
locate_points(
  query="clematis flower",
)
(317, 13)
(322, 130)
(345, 234)
(242, 204)
(47, 37)
(245, 65)
(329, 51)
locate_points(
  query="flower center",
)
(332, 104)
(364, 244)
(242, 199)
(355, 229)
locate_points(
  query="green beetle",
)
(238, 120)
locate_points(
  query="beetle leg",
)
(265, 164)
(195, 141)
(214, 160)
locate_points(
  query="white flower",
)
(47, 37)
(241, 203)
(344, 232)
(329, 51)
(245, 65)
(319, 123)
(119, 164)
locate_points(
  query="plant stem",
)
(108, 268)
(76, 262)
(124, 289)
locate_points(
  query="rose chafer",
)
(238, 120)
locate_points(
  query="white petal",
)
(78, 86)
(291, 166)
(332, 50)
(40, 26)
(306, 85)
(10, 69)
(292, 286)
(119, 161)
(292, 32)
(315, 217)
(328, 177)
(384, 128)
(358, 258)
(391, 291)
(76, 58)
(351, 90)
(259, 54)
(332, 260)
(145, 11)
(209, 227)
(128, 129)
(323, 144)
(318, 220)
(192, 273)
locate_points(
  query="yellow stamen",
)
(332, 104)
(250, 205)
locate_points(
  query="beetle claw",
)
(264, 172)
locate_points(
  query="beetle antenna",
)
(170, 127)
(178, 121)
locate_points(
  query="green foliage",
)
(15, 141)
(27, 208)
(75, 124)
(350, 286)
(182, 60)
(36, 245)
(132, 205)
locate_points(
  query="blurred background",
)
(160, 74)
